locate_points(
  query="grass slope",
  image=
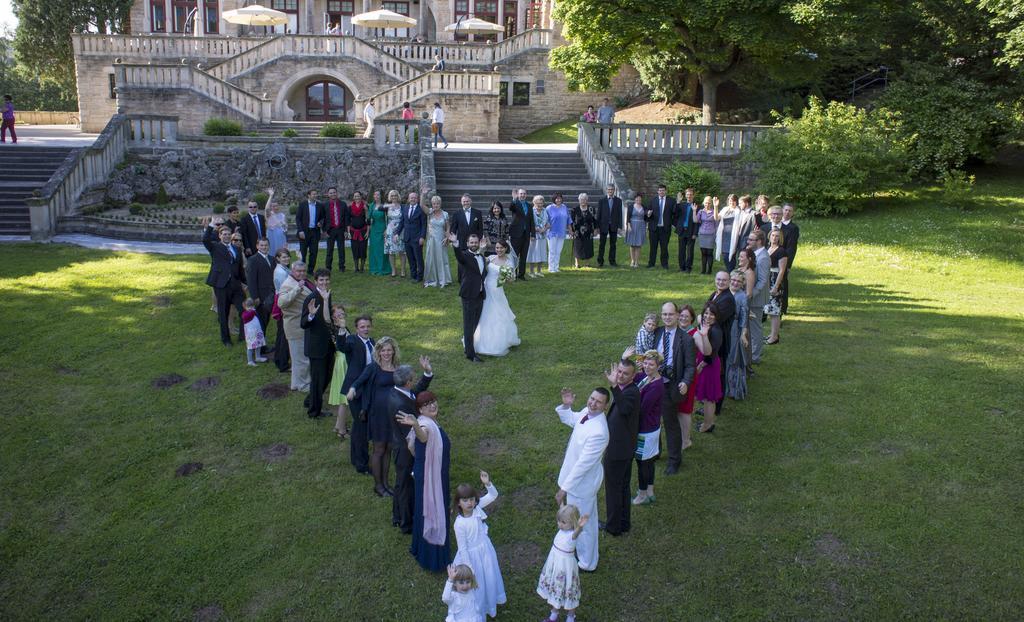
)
(874, 473)
(561, 132)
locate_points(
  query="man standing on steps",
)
(660, 216)
(520, 230)
(310, 216)
(609, 221)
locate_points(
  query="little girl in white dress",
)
(475, 548)
(559, 582)
(461, 595)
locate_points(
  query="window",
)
(503, 93)
(402, 8)
(486, 10)
(181, 10)
(212, 24)
(539, 87)
(520, 93)
(511, 18)
(291, 7)
(339, 13)
(533, 14)
(461, 10)
(113, 85)
(158, 16)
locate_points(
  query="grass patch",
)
(562, 132)
(874, 471)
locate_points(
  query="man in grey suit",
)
(759, 297)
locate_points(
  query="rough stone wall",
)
(467, 118)
(557, 103)
(191, 108)
(644, 174)
(95, 107)
(212, 173)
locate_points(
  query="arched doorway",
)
(327, 101)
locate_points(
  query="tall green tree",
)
(42, 42)
(714, 39)
(26, 89)
(1007, 17)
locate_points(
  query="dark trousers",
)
(336, 236)
(471, 309)
(617, 474)
(686, 243)
(645, 473)
(230, 294)
(673, 433)
(707, 260)
(611, 237)
(785, 292)
(521, 246)
(8, 124)
(359, 440)
(724, 355)
(281, 356)
(730, 264)
(309, 247)
(414, 254)
(659, 239)
(405, 491)
(319, 377)
(358, 249)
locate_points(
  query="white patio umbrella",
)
(255, 15)
(475, 26)
(382, 18)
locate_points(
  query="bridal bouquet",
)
(506, 274)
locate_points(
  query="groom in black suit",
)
(320, 341)
(225, 276)
(471, 291)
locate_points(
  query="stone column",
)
(521, 17)
(366, 9)
(421, 24)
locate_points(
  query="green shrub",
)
(828, 157)
(293, 210)
(679, 176)
(136, 209)
(338, 130)
(957, 188)
(253, 134)
(218, 208)
(289, 133)
(222, 127)
(947, 119)
(161, 195)
(260, 198)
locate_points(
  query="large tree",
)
(42, 42)
(716, 40)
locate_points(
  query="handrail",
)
(603, 166)
(188, 77)
(869, 79)
(707, 139)
(481, 54)
(436, 83)
(86, 167)
(396, 134)
(319, 46)
(161, 46)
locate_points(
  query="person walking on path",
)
(437, 124)
(8, 123)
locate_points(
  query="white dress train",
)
(497, 330)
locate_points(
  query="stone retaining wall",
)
(644, 172)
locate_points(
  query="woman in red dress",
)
(358, 229)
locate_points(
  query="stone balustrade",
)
(436, 83)
(474, 54)
(398, 134)
(603, 167)
(153, 130)
(148, 47)
(188, 77)
(677, 139)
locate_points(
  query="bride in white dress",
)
(497, 330)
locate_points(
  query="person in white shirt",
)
(437, 123)
(582, 473)
(369, 114)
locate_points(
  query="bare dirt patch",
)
(274, 391)
(64, 370)
(167, 380)
(209, 613)
(475, 411)
(205, 384)
(161, 302)
(276, 452)
(530, 498)
(494, 447)
(992, 410)
(655, 112)
(188, 469)
(522, 556)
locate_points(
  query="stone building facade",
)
(183, 59)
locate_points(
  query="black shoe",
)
(363, 471)
(227, 343)
(406, 530)
(603, 526)
(382, 491)
(475, 359)
(672, 469)
(614, 265)
(710, 430)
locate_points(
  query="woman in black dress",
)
(584, 221)
(373, 388)
(495, 225)
(780, 263)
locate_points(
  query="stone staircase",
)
(492, 175)
(22, 171)
(304, 129)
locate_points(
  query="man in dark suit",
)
(623, 426)
(686, 230)
(677, 371)
(609, 221)
(413, 229)
(358, 351)
(319, 341)
(254, 229)
(661, 211)
(521, 229)
(724, 302)
(225, 276)
(309, 219)
(471, 291)
(336, 221)
(464, 224)
(259, 277)
(790, 241)
(403, 399)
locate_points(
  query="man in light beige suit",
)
(290, 297)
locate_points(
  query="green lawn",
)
(874, 473)
(562, 132)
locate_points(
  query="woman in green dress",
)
(379, 263)
(334, 396)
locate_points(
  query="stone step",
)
(23, 170)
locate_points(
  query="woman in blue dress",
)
(432, 451)
(373, 387)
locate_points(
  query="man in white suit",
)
(582, 473)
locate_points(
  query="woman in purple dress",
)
(709, 366)
(652, 391)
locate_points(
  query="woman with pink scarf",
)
(428, 442)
